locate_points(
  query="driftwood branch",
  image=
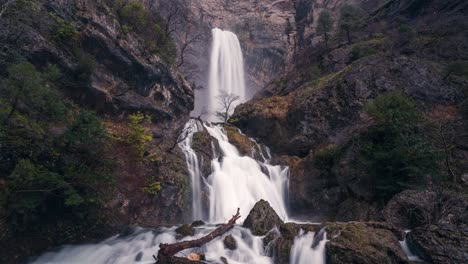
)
(169, 250)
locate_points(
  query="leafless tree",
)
(4, 4)
(181, 136)
(188, 38)
(227, 102)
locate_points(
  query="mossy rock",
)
(230, 242)
(198, 223)
(243, 144)
(262, 218)
(185, 230)
(357, 242)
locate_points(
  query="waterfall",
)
(240, 181)
(235, 181)
(193, 166)
(304, 250)
(226, 71)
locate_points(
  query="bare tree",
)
(181, 136)
(227, 102)
(188, 39)
(4, 4)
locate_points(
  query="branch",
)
(168, 250)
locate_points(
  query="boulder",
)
(203, 144)
(412, 208)
(262, 218)
(198, 223)
(230, 242)
(185, 230)
(440, 244)
(357, 242)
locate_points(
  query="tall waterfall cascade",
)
(226, 74)
(235, 181)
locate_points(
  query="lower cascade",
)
(235, 182)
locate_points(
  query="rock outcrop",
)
(262, 218)
(440, 244)
(356, 242)
(121, 74)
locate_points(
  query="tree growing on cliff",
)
(29, 88)
(139, 137)
(350, 20)
(227, 102)
(325, 25)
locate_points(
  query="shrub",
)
(396, 151)
(28, 87)
(65, 31)
(153, 188)
(325, 157)
(139, 137)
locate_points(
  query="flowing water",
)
(235, 181)
(226, 71)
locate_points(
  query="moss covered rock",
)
(230, 242)
(262, 218)
(357, 242)
(185, 230)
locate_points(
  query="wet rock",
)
(207, 148)
(243, 144)
(198, 223)
(224, 260)
(230, 242)
(185, 230)
(440, 244)
(262, 218)
(356, 242)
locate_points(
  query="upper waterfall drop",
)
(226, 70)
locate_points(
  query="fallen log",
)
(168, 250)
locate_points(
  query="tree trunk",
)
(348, 35)
(168, 250)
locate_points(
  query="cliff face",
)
(260, 26)
(124, 76)
(110, 68)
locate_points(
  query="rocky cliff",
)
(315, 116)
(109, 64)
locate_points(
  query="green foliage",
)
(397, 153)
(153, 188)
(86, 64)
(28, 87)
(65, 30)
(139, 137)
(326, 157)
(86, 130)
(350, 19)
(358, 52)
(148, 25)
(47, 176)
(325, 22)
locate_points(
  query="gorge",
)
(338, 128)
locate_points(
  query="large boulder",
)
(440, 244)
(207, 148)
(411, 208)
(357, 242)
(262, 218)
